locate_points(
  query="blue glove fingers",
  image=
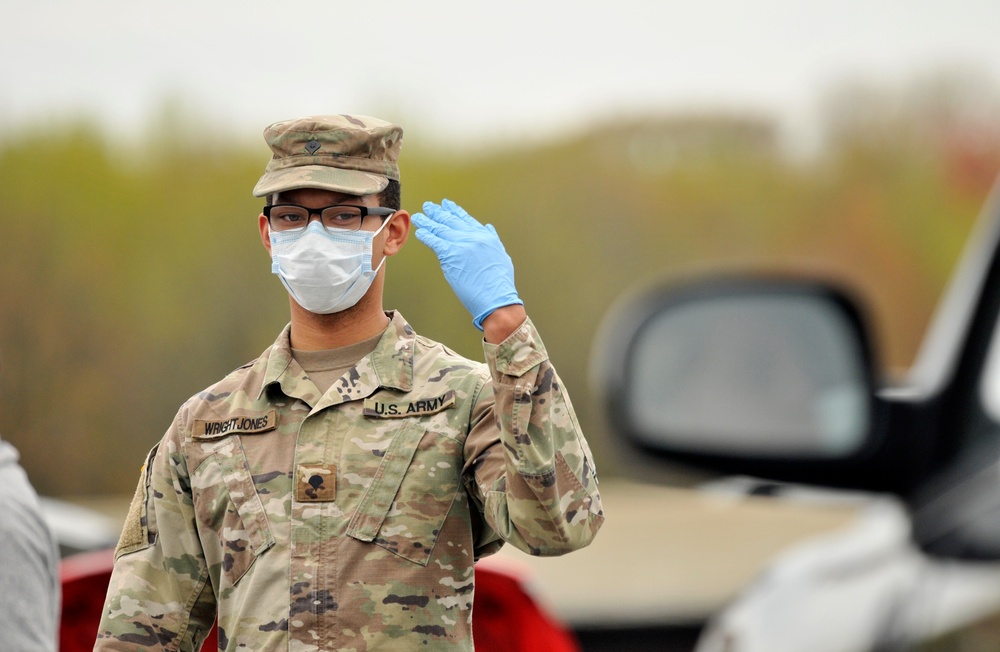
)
(454, 216)
(425, 223)
(444, 217)
(429, 238)
(461, 213)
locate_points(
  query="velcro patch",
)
(244, 425)
(136, 531)
(382, 409)
(316, 483)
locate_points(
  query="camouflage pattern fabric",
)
(353, 154)
(352, 520)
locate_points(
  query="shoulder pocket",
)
(136, 533)
(410, 496)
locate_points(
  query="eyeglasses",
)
(343, 217)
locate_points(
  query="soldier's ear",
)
(396, 232)
(265, 232)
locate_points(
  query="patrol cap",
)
(352, 154)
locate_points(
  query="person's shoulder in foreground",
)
(29, 571)
(336, 492)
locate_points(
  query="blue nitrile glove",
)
(472, 258)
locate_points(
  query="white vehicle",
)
(775, 378)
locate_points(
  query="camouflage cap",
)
(352, 154)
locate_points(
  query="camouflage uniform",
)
(351, 520)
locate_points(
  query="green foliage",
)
(134, 275)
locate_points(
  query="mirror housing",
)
(761, 376)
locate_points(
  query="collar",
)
(390, 365)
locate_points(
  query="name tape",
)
(245, 425)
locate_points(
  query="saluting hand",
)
(472, 258)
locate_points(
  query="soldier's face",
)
(318, 198)
(387, 243)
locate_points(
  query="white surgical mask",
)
(325, 271)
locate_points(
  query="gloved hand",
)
(472, 257)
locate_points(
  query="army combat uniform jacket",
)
(351, 520)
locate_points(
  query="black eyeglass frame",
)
(378, 211)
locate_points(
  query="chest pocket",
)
(410, 496)
(227, 505)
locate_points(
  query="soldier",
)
(335, 492)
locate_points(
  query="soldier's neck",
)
(312, 332)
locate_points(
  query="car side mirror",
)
(761, 376)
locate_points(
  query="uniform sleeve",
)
(530, 469)
(159, 597)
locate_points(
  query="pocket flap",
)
(377, 501)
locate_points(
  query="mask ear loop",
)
(384, 224)
(374, 234)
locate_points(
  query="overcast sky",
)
(469, 71)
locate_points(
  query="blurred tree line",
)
(133, 275)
